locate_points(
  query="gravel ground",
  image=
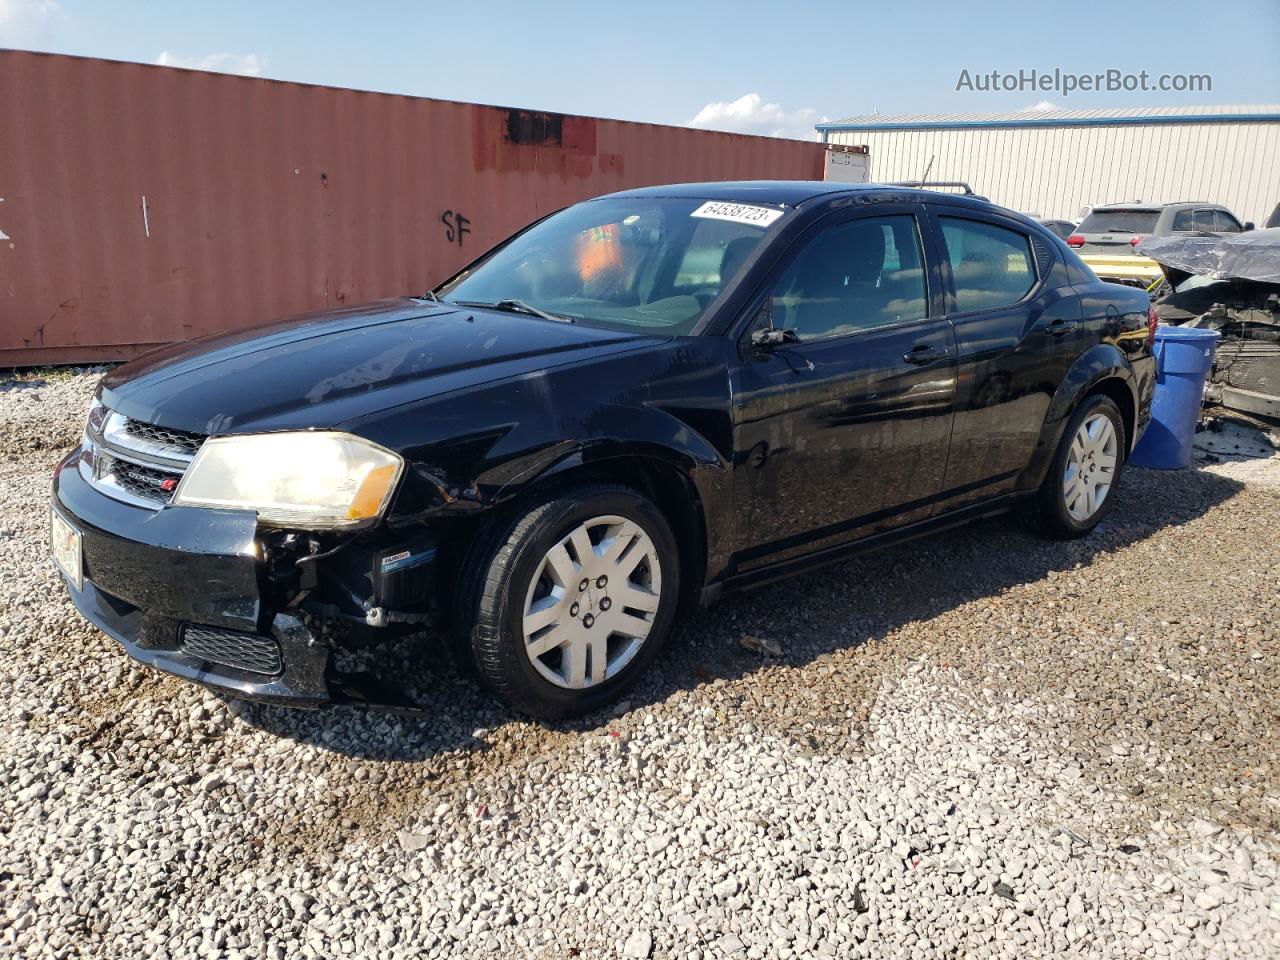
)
(979, 745)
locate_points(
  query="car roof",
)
(1155, 207)
(794, 193)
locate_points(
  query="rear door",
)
(845, 432)
(1018, 330)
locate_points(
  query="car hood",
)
(1253, 255)
(323, 369)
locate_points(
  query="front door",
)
(845, 432)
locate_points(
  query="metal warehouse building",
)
(1055, 163)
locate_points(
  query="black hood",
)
(323, 369)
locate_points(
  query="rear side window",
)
(1120, 221)
(1184, 220)
(991, 266)
(853, 276)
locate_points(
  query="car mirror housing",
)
(765, 336)
(770, 338)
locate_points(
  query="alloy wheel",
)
(592, 602)
(1091, 467)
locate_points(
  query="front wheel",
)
(1080, 486)
(573, 601)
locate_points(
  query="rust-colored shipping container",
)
(146, 204)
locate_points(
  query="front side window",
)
(991, 266)
(626, 263)
(853, 276)
(1226, 223)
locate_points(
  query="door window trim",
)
(843, 338)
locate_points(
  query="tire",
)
(533, 565)
(1062, 508)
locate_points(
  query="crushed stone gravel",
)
(982, 744)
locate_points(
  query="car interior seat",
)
(735, 255)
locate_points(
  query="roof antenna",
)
(925, 178)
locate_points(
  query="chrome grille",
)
(135, 462)
(178, 441)
(244, 651)
(149, 483)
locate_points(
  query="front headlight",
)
(97, 417)
(308, 480)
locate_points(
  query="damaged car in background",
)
(1230, 284)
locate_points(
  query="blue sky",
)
(770, 66)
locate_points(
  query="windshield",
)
(1119, 221)
(625, 263)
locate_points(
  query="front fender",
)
(1103, 361)
(473, 450)
(625, 431)
(653, 436)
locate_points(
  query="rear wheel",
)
(574, 601)
(1081, 482)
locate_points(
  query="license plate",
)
(65, 540)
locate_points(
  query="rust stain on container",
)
(142, 205)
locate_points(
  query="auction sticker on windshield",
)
(737, 213)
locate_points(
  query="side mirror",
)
(1248, 225)
(768, 339)
(767, 336)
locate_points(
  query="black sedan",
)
(623, 411)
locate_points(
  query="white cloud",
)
(750, 114)
(245, 64)
(1042, 106)
(24, 19)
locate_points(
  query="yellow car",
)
(1132, 271)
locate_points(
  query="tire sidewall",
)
(1055, 490)
(546, 698)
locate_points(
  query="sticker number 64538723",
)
(738, 213)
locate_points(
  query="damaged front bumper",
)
(188, 591)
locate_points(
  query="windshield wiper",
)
(512, 305)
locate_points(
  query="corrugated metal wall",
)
(1056, 171)
(145, 204)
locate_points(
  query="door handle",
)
(1060, 326)
(923, 353)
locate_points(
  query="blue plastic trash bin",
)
(1184, 357)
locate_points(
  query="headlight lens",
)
(97, 416)
(308, 480)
